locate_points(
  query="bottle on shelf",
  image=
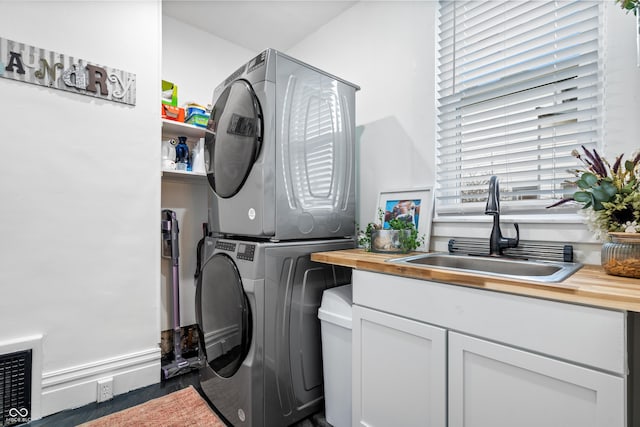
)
(182, 154)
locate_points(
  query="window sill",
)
(509, 219)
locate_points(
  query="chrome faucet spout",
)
(496, 242)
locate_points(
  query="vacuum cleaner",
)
(170, 244)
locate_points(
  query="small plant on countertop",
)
(413, 241)
(410, 243)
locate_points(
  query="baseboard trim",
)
(76, 386)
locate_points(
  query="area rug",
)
(178, 409)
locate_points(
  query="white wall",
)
(622, 84)
(387, 48)
(197, 68)
(197, 61)
(80, 204)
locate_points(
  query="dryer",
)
(281, 152)
(256, 307)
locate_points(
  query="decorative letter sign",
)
(30, 64)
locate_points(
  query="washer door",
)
(235, 138)
(223, 315)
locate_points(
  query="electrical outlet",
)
(105, 389)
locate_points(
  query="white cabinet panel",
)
(586, 335)
(500, 386)
(399, 371)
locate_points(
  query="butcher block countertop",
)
(589, 285)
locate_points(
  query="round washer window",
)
(224, 315)
(236, 123)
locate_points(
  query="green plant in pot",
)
(399, 237)
(610, 199)
(609, 194)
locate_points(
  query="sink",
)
(533, 270)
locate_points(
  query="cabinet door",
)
(399, 371)
(500, 386)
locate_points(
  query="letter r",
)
(97, 75)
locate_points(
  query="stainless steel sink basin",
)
(533, 270)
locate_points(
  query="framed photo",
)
(415, 205)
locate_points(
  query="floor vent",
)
(15, 388)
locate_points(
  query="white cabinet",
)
(399, 371)
(186, 194)
(500, 386)
(423, 349)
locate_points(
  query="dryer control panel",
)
(246, 251)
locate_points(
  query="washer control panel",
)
(246, 251)
(226, 246)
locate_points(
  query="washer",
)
(281, 152)
(256, 307)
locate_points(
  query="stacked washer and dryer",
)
(281, 171)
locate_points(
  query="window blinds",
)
(519, 89)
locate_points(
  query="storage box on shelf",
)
(199, 120)
(168, 112)
(169, 93)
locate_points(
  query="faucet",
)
(496, 242)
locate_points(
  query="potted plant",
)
(610, 199)
(399, 237)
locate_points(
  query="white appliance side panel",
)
(315, 153)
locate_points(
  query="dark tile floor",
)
(73, 417)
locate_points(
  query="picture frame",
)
(414, 203)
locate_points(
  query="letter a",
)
(15, 61)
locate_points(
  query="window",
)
(519, 90)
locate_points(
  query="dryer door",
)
(223, 315)
(235, 138)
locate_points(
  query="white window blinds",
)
(519, 89)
